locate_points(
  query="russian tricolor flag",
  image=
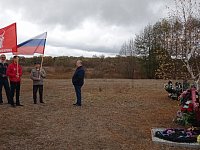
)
(34, 45)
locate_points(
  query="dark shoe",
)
(75, 104)
(41, 102)
(13, 105)
(19, 105)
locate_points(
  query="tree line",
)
(96, 67)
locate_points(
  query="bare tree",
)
(128, 50)
(187, 38)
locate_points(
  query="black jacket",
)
(3, 68)
(78, 77)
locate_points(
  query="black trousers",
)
(78, 94)
(15, 88)
(4, 83)
(35, 89)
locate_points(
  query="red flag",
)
(8, 39)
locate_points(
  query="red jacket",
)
(12, 72)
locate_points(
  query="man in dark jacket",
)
(78, 81)
(4, 80)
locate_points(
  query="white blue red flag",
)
(8, 39)
(32, 46)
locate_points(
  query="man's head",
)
(78, 63)
(3, 57)
(37, 65)
(15, 59)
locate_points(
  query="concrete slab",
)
(161, 141)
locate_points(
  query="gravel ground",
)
(116, 114)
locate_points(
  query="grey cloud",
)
(83, 47)
(70, 13)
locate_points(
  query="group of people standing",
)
(13, 73)
(10, 79)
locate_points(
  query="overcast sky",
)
(81, 27)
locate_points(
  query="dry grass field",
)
(116, 114)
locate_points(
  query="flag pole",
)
(41, 65)
(17, 51)
(43, 52)
(17, 65)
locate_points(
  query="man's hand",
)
(4, 76)
(17, 75)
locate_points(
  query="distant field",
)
(116, 114)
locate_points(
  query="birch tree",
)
(188, 37)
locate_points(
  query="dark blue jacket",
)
(3, 68)
(78, 77)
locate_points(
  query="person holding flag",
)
(14, 72)
(37, 75)
(4, 80)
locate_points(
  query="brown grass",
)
(116, 114)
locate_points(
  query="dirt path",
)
(116, 114)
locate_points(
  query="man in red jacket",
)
(14, 72)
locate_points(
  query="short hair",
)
(37, 62)
(16, 56)
(79, 61)
(3, 55)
